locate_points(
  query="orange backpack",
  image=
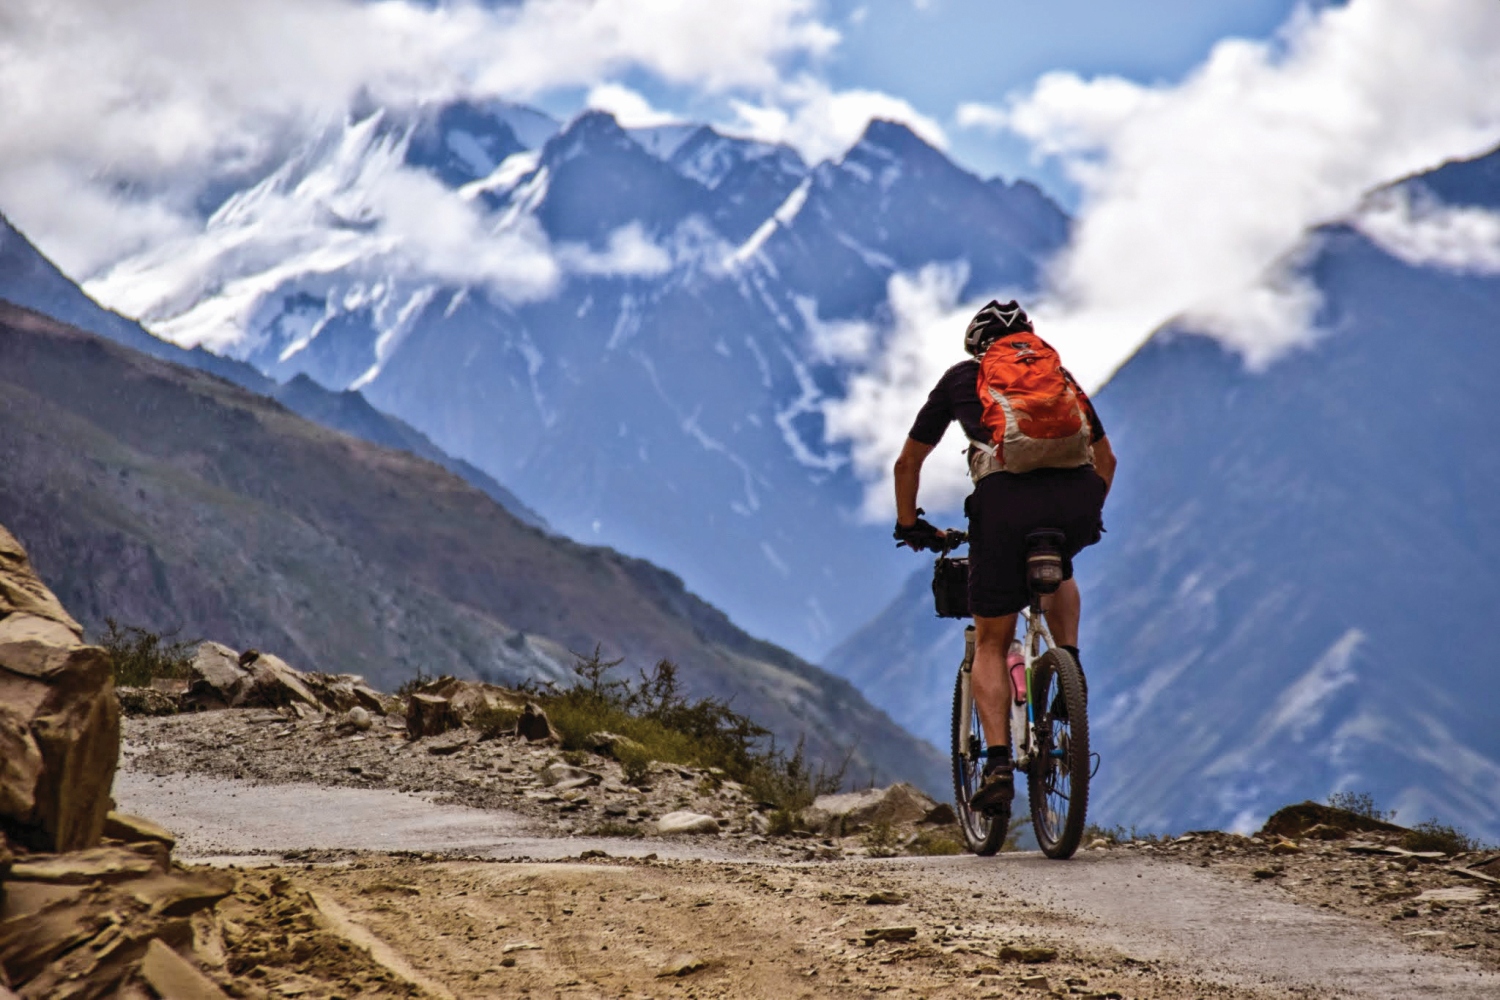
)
(1035, 412)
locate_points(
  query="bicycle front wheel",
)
(1058, 779)
(984, 832)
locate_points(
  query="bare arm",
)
(1104, 462)
(908, 476)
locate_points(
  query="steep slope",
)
(29, 279)
(663, 393)
(164, 496)
(1296, 592)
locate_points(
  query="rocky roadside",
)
(563, 793)
(251, 716)
(1435, 902)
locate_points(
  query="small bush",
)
(934, 842)
(669, 727)
(781, 823)
(413, 683)
(611, 829)
(1360, 804)
(1435, 836)
(635, 761)
(494, 721)
(881, 841)
(790, 784)
(1108, 834)
(139, 655)
(1119, 835)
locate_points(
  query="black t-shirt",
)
(956, 397)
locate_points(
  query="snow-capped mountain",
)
(1296, 593)
(633, 329)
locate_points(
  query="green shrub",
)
(781, 822)
(673, 729)
(139, 656)
(1435, 836)
(1360, 804)
(790, 784)
(934, 842)
(612, 829)
(635, 761)
(415, 682)
(881, 841)
(1119, 835)
(494, 721)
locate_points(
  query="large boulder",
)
(848, 812)
(59, 719)
(429, 715)
(274, 683)
(447, 703)
(215, 678)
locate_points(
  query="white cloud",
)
(1193, 193)
(878, 408)
(116, 110)
(1197, 198)
(629, 253)
(822, 123)
(629, 108)
(835, 340)
(1414, 226)
(353, 205)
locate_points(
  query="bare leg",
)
(992, 695)
(1063, 610)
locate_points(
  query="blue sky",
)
(942, 53)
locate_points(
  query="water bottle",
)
(1015, 660)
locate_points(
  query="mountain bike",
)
(1049, 724)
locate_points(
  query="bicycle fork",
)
(966, 696)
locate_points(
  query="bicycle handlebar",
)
(952, 539)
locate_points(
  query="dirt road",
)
(704, 920)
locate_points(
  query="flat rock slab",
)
(216, 818)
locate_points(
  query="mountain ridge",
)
(165, 496)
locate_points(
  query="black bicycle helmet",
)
(994, 321)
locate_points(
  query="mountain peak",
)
(893, 137)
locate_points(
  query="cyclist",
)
(1066, 494)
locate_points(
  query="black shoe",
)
(997, 789)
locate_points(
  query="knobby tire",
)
(1059, 786)
(984, 833)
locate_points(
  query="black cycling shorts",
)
(1004, 508)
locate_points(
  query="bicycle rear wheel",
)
(984, 832)
(1058, 778)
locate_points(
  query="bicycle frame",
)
(1022, 716)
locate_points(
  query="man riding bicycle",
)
(1039, 459)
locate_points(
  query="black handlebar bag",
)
(950, 587)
